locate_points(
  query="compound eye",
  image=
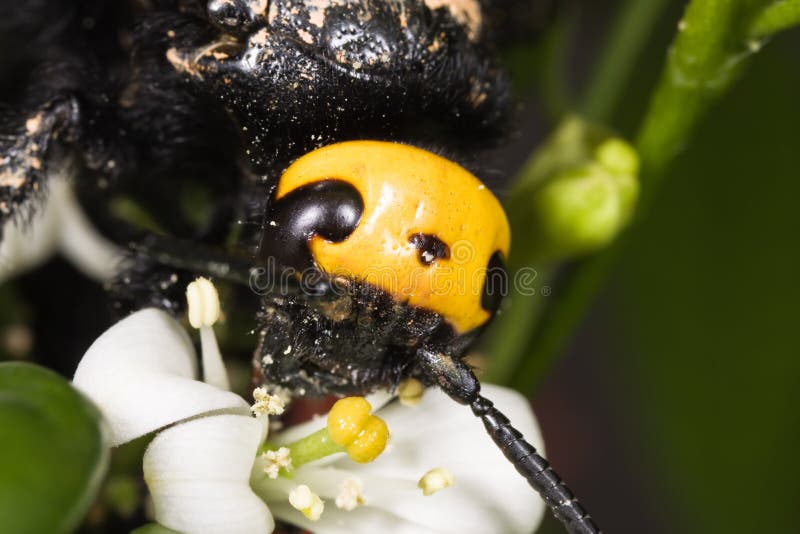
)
(430, 248)
(495, 287)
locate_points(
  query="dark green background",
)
(675, 408)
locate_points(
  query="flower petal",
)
(58, 222)
(488, 496)
(141, 373)
(28, 244)
(80, 242)
(365, 519)
(198, 473)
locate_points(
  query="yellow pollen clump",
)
(347, 418)
(351, 425)
(371, 441)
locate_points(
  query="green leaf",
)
(52, 453)
(153, 528)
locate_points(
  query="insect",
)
(302, 119)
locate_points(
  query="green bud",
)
(575, 195)
(583, 209)
(618, 157)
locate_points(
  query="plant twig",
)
(706, 57)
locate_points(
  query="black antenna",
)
(458, 381)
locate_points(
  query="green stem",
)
(508, 336)
(509, 341)
(312, 447)
(317, 445)
(702, 63)
(775, 18)
(555, 95)
(571, 295)
(626, 38)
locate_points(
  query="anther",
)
(410, 392)
(351, 425)
(203, 302)
(435, 480)
(307, 502)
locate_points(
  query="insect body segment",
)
(428, 232)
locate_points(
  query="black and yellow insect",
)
(403, 251)
(302, 119)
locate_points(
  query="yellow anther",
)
(410, 392)
(347, 418)
(435, 480)
(203, 303)
(306, 502)
(371, 441)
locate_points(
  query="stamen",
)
(410, 392)
(266, 403)
(303, 499)
(351, 429)
(203, 301)
(435, 480)
(277, 460)
(350, 495)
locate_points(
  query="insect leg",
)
(459, 382)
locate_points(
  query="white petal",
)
(80, 242)
(27, 245)
(488, 496)
(141, 373)
(198, 473)
(365, 519)
(58, 223)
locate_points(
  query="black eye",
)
(495, 287)
(330, 209)
(430, 248)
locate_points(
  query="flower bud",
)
(584, 209)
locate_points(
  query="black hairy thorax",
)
(346, 337)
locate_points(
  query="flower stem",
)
(627, 37)
(508, 341)
(313, 447)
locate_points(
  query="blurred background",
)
(674, 405)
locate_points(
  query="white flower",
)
(206, 475)
(59, 225)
